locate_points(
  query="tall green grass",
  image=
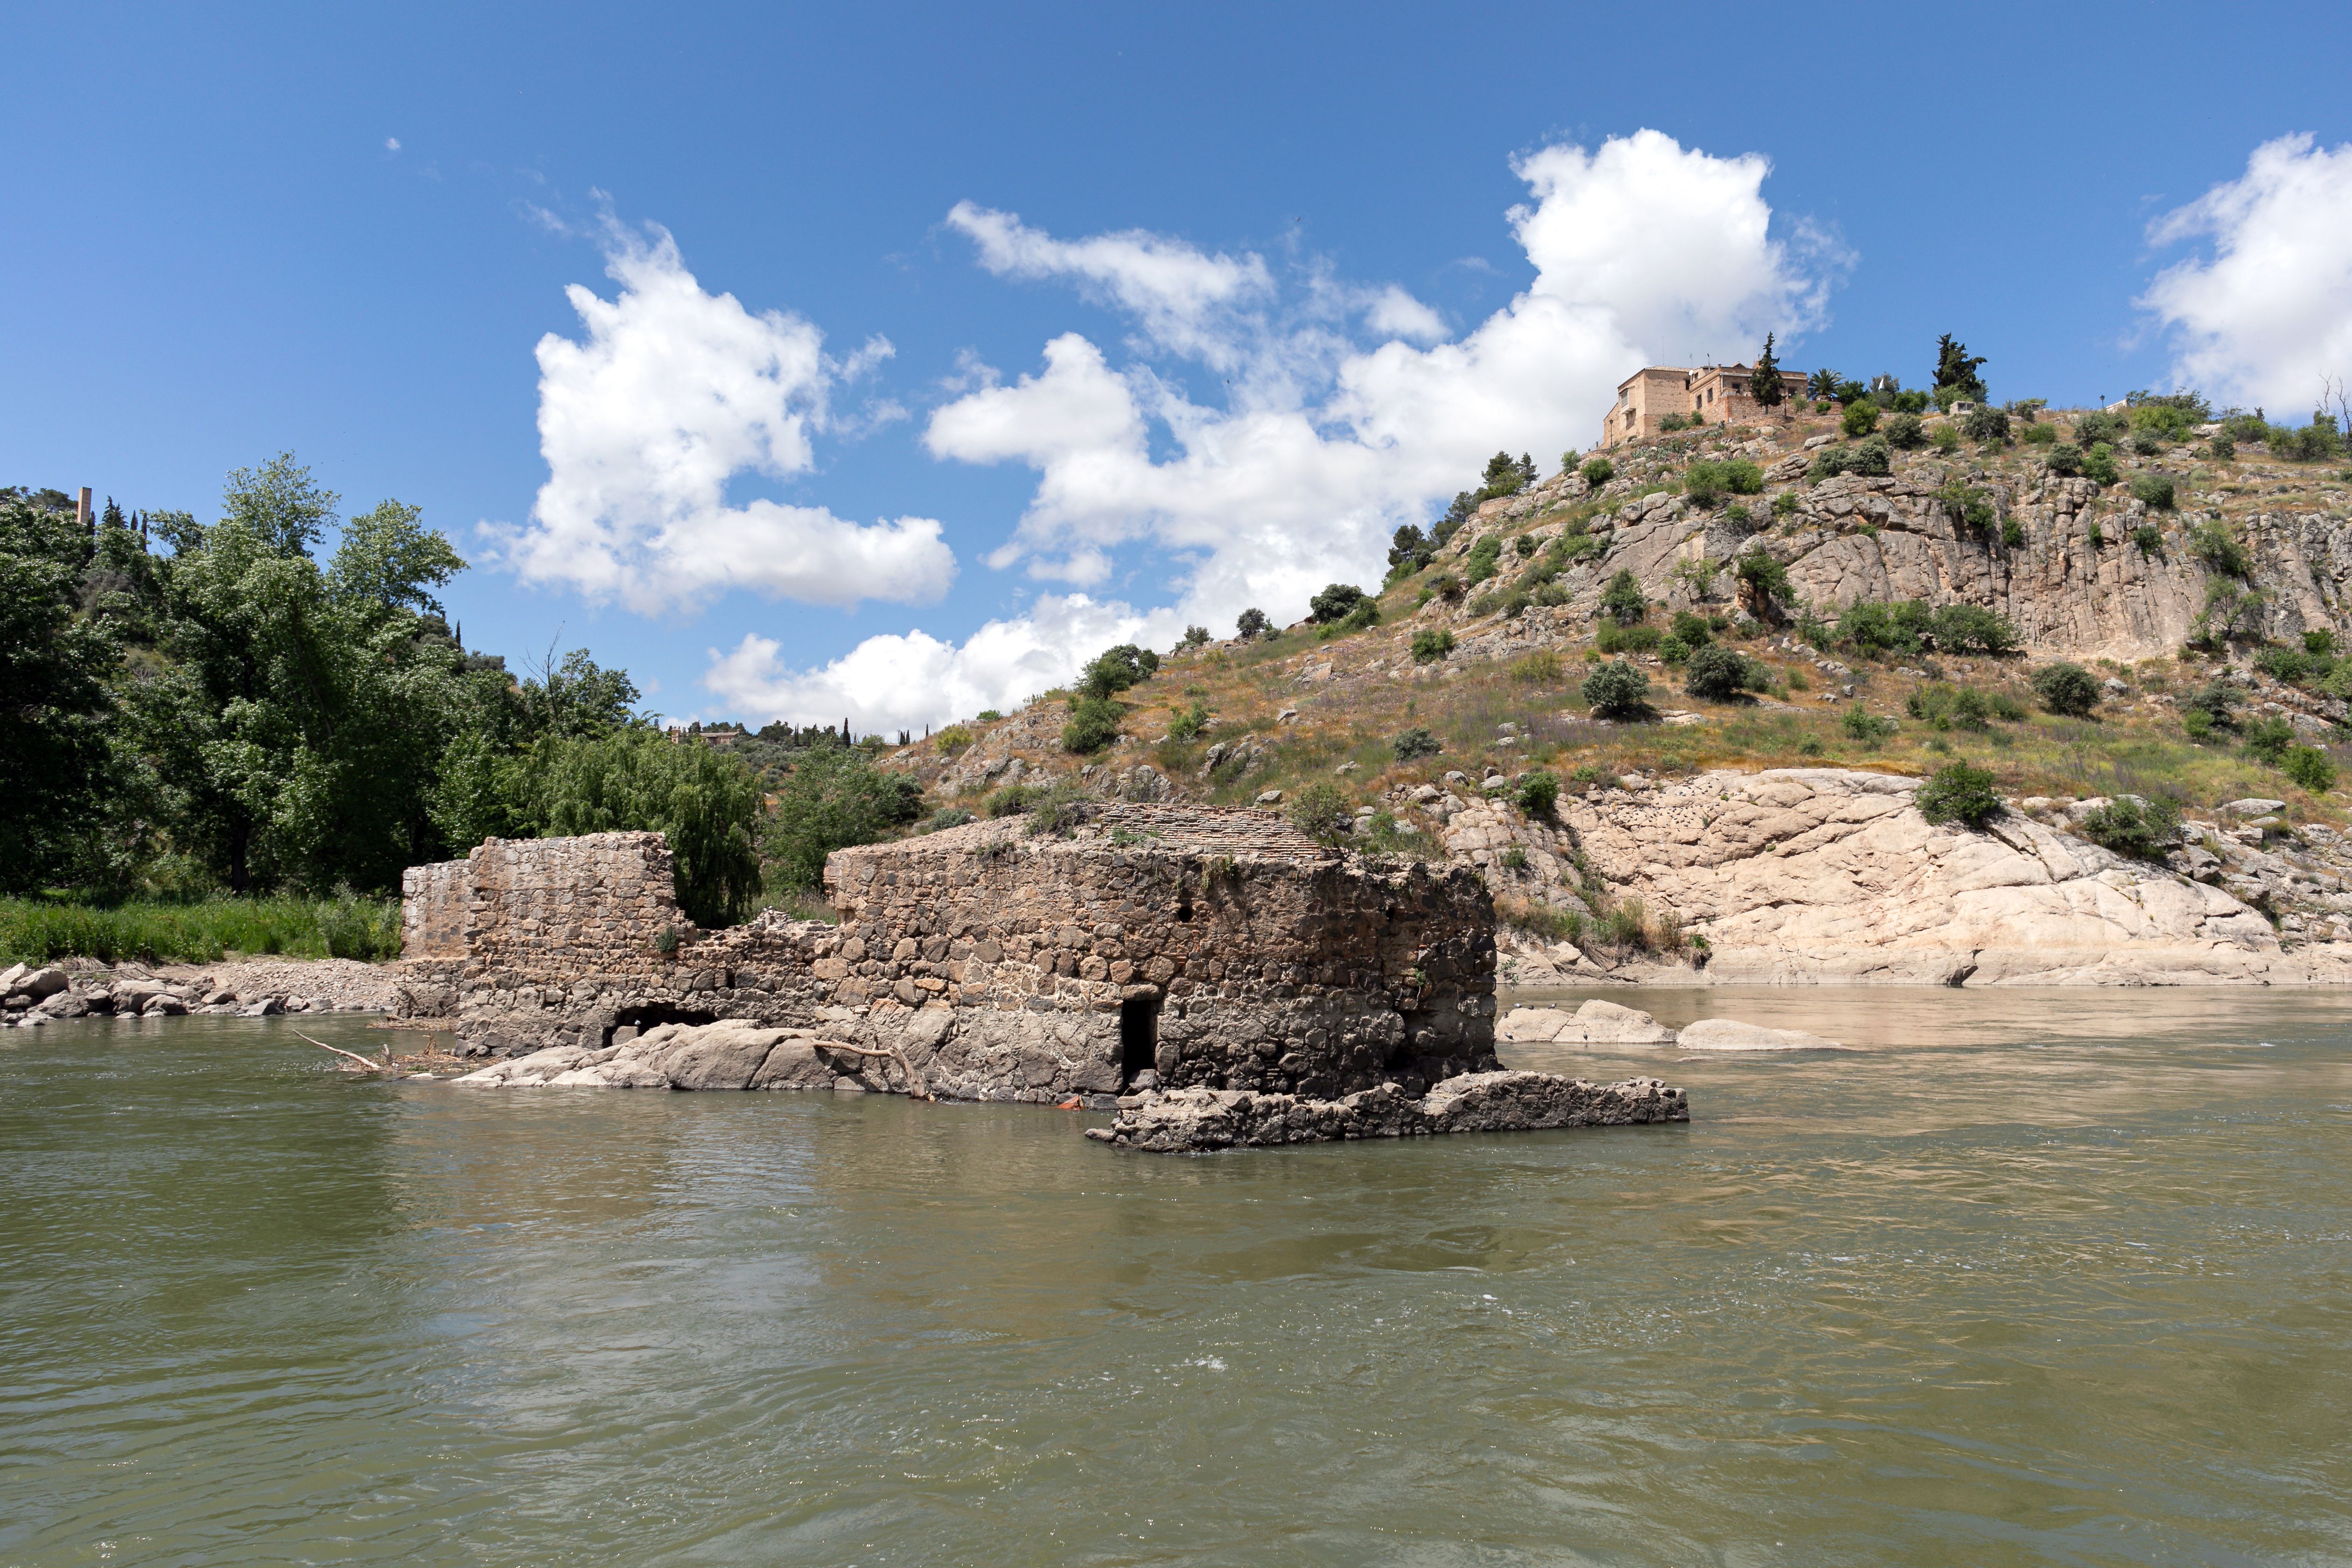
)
(36, 930)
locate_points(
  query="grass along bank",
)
(41, 931)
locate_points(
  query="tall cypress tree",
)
(1764, 381)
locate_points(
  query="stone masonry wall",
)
(999, 963)
(435, 909)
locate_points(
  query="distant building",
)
(1712, 394)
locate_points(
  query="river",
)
(2028, 1278)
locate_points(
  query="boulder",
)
(796, 1064)
(531, 1071)
(720, 1057)
(1597, 1023)
(164, 1005)
(1730, 1034)
(40, 984)
(265, 1007)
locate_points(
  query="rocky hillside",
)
(1771, 834)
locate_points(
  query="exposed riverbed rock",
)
(1597, 1023)
(1196, 1121)
(1732, 1034)
(731, 1054)
(1826, 876)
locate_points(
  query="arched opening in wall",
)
(1138, 1036)
(631, 1022)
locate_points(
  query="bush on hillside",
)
(1115, 669)
(1481, 562)
(2040, 435)
(2067, 688)
(833, 798)
(2269, 739)
(1431, 644)
(1719, 674)
(1872, 457)
(2212, 542)
(1622, 601)
(1320, 812)
(1617, 690)
(1959, 792)
(1414, 743)
(1859, 420)
(1598, 471)
(1943, 708)
(1334, 602)
(1094, 724)
(1906, 432)
(1538, 794)
(1986, 426)
(2141, 829)
(1695, 630)
(1972, 629)
(2099, 427)
(1252, 625)
(1708, 480)
(1861, 724)
(2150, 538)
(2310, 768)
(2099, 464)
(2065, 459)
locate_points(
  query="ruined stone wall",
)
(1273, 963)
(999, 963)
(435, 909)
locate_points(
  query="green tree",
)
(705, 802)
(1617, 690)
(2067, 688)
(834, 798)
(1959, 794)
(1622, 601)
(1957, 369)
(1115, 669)
(56, 772)
(1764, 381)
(1718, 674)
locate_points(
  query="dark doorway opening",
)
(631, 1022)
(1138, 1036)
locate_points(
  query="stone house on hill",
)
(1715, 395)
(1214, 948)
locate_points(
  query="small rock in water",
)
(1732, 1034)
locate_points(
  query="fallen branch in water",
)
(916, 1087)
(365, 1064)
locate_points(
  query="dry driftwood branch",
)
(916, 1087)
(364, 1063)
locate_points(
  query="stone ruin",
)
(1150, 948)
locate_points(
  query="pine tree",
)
(1764, 381)
(1956, 367)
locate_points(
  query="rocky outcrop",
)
(1821, 875)
(1198, 1120)
(731, 1055)
(1597, 1023)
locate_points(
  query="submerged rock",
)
(1194, 1121)
(1732, 1034)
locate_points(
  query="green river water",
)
(2029, 1278)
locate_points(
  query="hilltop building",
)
(1712, 394)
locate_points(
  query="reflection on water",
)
(2032, 1277)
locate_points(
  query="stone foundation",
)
(1199, 1121)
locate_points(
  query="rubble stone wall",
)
(1004, 965)
(435, 909)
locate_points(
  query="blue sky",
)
(1271, 250)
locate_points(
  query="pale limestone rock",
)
(1594, 1024)
(1827, 876)
(1730, 1034)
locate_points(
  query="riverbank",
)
(80, 987)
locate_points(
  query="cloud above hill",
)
(2263, 313)
(1346, 410)
(672, 393)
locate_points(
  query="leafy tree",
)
(1617, 690)
(280, 505)
(2268, 740)
(2310, 768)
(1253, 624)
(1410, 550)
(1115, 669)
(1860, 418)
(2067, 688)
(1764, 381)
(1622, 601)
(55, 773)
(1194, 636)
(1719, 674)
(1763, 581)
(2153, 489)
(1985, 426)
(1598, 471)
(1972, 629)
(1094, 724)
(1959, 792)
(1958, 370)
(1334, 603)
(1693, 630)
(2065, 459)
(705, 802)
(1905, 432)
(834, 798)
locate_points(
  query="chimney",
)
(81, 510)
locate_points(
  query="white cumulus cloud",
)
(672, 393)
(1323, 442)
(2265, 315)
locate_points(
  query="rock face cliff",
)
(1822, 875)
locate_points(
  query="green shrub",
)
(1766, 578)
(1906, 433)
(2216, 703)
(834, 798)
(1785, 504)
(989, 716)
(2319, 643)
(1612, 638)
(1598, 471)
(2099, 463)
(1541, 667)
(1876, 628)
(1672, 650)
(1622, 601)
(1972, 629)
(2095, 536)
(2040, 435)
(1872, 457)
(1972, 508)
(2154, 489)
(2310, 768)
(1859, 420)
(36, 931)
(1959, 792)
(2005, 708)
(2012, 534)
(2290, 665)
(1947, 440)
(1719, 674)
(1320, 812)
(954, 739)
(2269, 739)
(2067, 688)
(2150, 538)
(1338, 600)
(2146, 443)
(1414, 743)
(1617, 690)
(1481, 562)
(2222, 449)
(2065, 459)
(1943, 708)
(2099, 426)
(1986, 426)
(1191, 724)
(1695, 630)
(1253, 624)
(1537, 793)
(1861, 724)
(2212, 542)
(1094, 724)
(1056, 810)
(1363, 618)
(1432, 643)
(2196, 725)
(2143, 830)
(1708, 480)
(1010, 801)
